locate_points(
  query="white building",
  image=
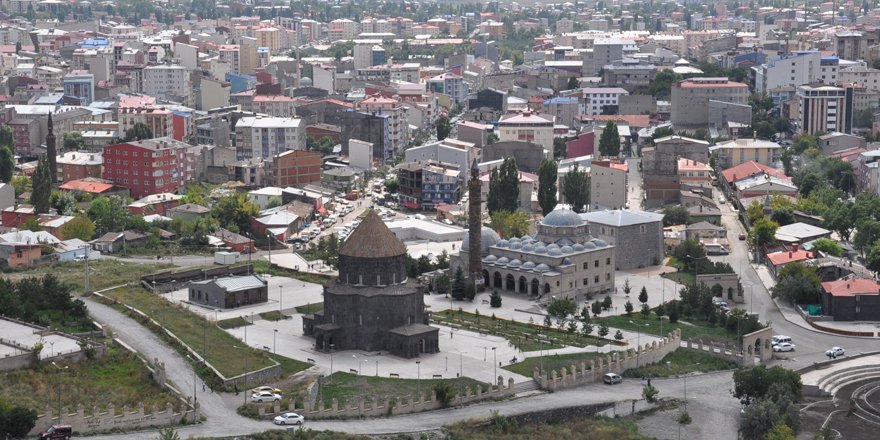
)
(867, 77)
(343, 29)
(263, 137)
(607, 185)
(360, 154)
(596, 98)
(171, 81)
(527, 127)
(824, 108)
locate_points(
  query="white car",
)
(835, 352)
(266, 388)
(289, 419)
(784, 346)
(265, 396)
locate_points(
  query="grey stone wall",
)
(633, 248)
(372, 271)
(365, 319)
(528, 155)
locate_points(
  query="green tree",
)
(504, 187)
(443, 127)
(42, 187)
(80, 227)
(510, 224)
(63, 202)
(609, 142)
(168, 434)
(573, 83)
(7, 164)
(872, 260)
(596, 307)
(495, 299)
(780, 431)
(760, 382)
(441, 284)
(628, 307)
(607, 302)
(458, 284)
(442, 260)
(618, 335)
(867, 232)
(603, 331)
(424, 263)
(6, 137)
(16, 421)
(863, 118)
(763, 232)
(576, 189)
(675, 215)
(782, 216)
(561, 307)
(73, 140)
(643, 295)
(491, 138)
(828, 246)
(661, 86)
(139, 131)
(237, 210)
(547, 177)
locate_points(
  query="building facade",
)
(690, 99)
(528, 127)
(259, 137)
(230, 292)
(824, 108)
(637, 236)
(149, 166)
(296, 168)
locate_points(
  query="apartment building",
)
(449, 84)
(264, 137)
(734, 152)
(167, 81)
(596, 99)
(867, 77)
(824, 108)
(296, 168)
(75, 165)
(342, 29)
(398, 125)
(690, 99)
(150, 166)
(80, 85)
(607, 185)
(527, 126)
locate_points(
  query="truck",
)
(226, 258)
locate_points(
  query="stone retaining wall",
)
(592, 371)
(96, 421)
(382, 406)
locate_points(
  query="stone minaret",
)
(50, 151)
(474, 224)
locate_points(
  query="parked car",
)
(265, 396)
(784, 346)
(834, 352)
(266, 388)
(289, 419)
(57, 431)
(722, 200)
(742, 236)
(611, 378)
(778, 339)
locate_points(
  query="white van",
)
(778, 339)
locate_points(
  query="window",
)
(608, 276)
(596, 279)
(595, 263)
(643, 229)
(586, 281)
(585, 265)
(608, 261)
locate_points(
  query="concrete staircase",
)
(833, 382)
(526, 387)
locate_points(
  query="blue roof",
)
(560, 100)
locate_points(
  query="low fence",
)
(272, 371)
(27, 358)
(196, 274)
(721, 351)
(377, 406)
(815, 324)
(81, 422)
(592, 371)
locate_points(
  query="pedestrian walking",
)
(203, 387)
(235, 387)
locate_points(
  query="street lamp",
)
(60, 370)
(274, 334)
(360, 363)
(280, 303)
(419, 378)
(195, 398)
(331, 359)
(638, 341)
(696, 266)
(494, 364)
(377, 368)
(484, 353)
(245, 371)
(269, 244)
(460, 375)
(541, 341)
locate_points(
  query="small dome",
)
(515, 263)
(503, 260)
(305, 82)
(561, 218)
(502, 243)
(554, 253)
(567, 250)
(528, 248)
(540, 249)
(564, 242)
(515, 245)
(601, 243)
(515, 240)
(578, 247)
(488, 238)
(566, 261)
(542, 268)
(589, 245)
(490, 259)
(527, 239)
(552, 246)
(528, 265)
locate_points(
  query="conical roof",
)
(372, 239)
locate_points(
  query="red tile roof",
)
(749, 169)
(785, 257)
(86, 186)
(858, 286)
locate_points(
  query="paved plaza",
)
(26, 336)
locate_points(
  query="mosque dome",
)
(503, 260)
(514, 263)
(542, 268)
(305, 82)
(578, 247)
(528, 265)
(567, 250)
(488, 238)
(601, 243)
(562, 218)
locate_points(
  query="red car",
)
(57, 432)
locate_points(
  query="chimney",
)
(789, 254)
(794, 247)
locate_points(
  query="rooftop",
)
(619, 217)
(858, 286)
(372, 239)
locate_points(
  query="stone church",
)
(372, 305)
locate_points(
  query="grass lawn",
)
(310, 308)
(118, 378)
(290, 366)
(683, 278)
(103, 273)
(523, 335)
(566, 427)
(262, 266)
(682, 361)
(551, 362)
(217, 346)
(236, 322)
(346, 386)
(273, 316)
(691, 329)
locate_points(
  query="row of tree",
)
(44, 301)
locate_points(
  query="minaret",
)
(50, 151)
(475, 227)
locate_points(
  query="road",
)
(710, 389)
